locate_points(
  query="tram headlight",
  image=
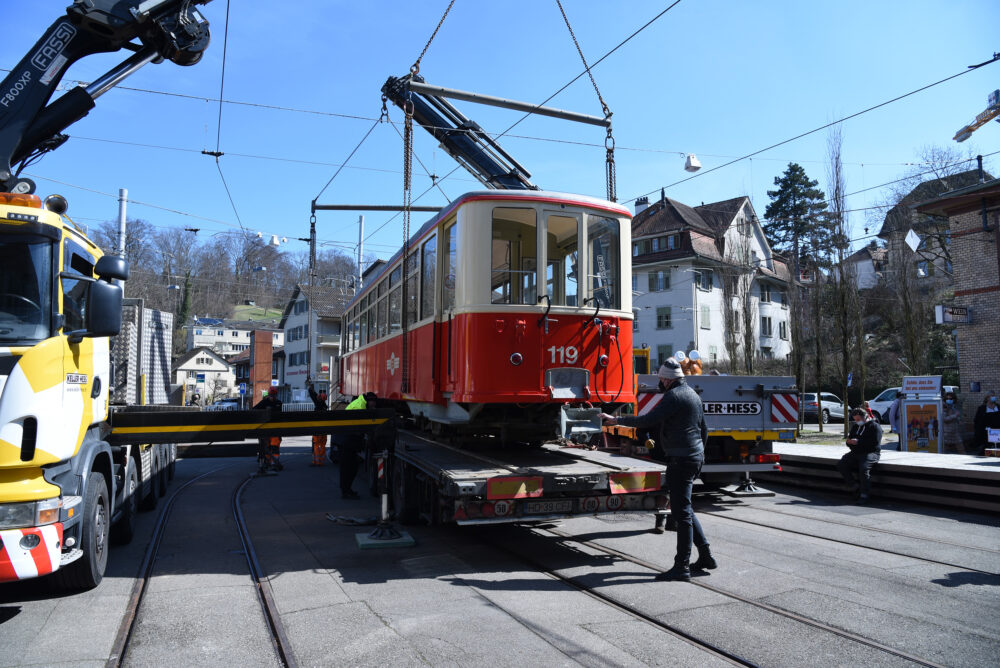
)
(516, 359)
(603, 360)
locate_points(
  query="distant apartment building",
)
(700, 272)
(226, 338)
(311, 325)
(203, 372)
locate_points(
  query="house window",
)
(235, 333)
(766, 353)
(635, 283)
(656, 244)
(765, 292)
(736, 320)
(663, 317)
(663, 353)
(635, 250)
(765, 326)
(635, 321)
(706, 317)
(713, 354)
(197, 332)
(672, 242)
(783, 330)
(192, 375)
(704, 279)
(219, 332)
(925, 269)
(659, 281)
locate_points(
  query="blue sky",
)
(718, 78)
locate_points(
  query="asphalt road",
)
(458, 597)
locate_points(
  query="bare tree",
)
(846, 283)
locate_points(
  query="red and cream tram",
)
(517, 302)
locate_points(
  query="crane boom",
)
(165, 29)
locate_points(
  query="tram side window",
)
(429, 263)
(372, 316)
(383, 317)
(562, 237)
(363, 328)
(412, 287)
(395, 300)
(604, 255)
(514, 257)
(450, 268)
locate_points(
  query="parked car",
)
(880, 405)
(832, 407)
(224, 405)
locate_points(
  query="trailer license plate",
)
(546, 507)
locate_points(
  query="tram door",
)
(561, 346)
(449, 278)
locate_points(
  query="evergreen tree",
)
(793, 217)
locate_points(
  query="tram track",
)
(127, 627)
(889, 532)
(787, 614)
(859, 545)
(670, 629)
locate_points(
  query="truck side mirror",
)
(104, 306)
(111, 267)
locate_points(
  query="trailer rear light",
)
(20, 199)
(513, 487)
(769, 458)
(487, 510)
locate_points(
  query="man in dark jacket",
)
(271, 445)
(863, 442)
(682, 434)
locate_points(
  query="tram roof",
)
(498, 196)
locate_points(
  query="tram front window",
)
(25, 291)
(514, 257)
(605, 261)
(562, 235)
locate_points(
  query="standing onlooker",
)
(951, 417)
(895, 417)
(682, 436)
(863, 442)
(987, 417)
(319, 440)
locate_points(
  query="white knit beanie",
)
(670, 370)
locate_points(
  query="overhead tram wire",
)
(971, 68)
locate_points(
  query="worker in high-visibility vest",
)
(272, 444)
(319, 440)
(349, 452)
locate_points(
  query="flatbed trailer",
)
(441, 483)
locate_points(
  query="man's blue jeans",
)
(857, 469)
(681, 472)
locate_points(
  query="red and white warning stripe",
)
(784, 408)
(17, 563)
(647, 402)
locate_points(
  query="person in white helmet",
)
(682, 437)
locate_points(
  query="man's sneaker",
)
(677, 573)
(704, 563)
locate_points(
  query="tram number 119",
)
(564, 354)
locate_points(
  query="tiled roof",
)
(900, 216)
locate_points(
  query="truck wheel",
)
(88, 571)
(124, 529)
(150, 500)
(404, 498)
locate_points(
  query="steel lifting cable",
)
(407, 201)
(415, 68)
(609, 141)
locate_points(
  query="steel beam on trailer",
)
(181, 426)
(440, 91)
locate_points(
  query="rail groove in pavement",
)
(758, 604)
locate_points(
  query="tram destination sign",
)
(731, 408)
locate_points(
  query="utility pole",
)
(122, 199)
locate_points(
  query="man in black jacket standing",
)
(682, 438)
(863, 442)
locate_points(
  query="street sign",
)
(947, 314)
(200, 377)
(243, 388)
(274, 382)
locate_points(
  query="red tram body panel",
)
(509, 295)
